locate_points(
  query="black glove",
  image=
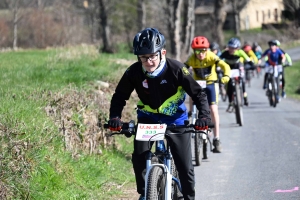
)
(115, 124)
(202, 124)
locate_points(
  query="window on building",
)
(263, 16)
(269, 14)
(257, 16)
(276, 15)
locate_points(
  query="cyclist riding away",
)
(235, 57)
(161, 84)
(204, 62)
(274, 58)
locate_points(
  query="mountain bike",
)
(200, 140)
(237, 95)
(161, 177)
(272, 86)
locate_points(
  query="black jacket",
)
(160, 88)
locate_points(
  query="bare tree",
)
(219, 19)
(188, 26)
(294, 7)
(173, 12)
(17, 8)
(103, 15)
(141, 9)
(237, 6)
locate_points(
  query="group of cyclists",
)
(162, 84)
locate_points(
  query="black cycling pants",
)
(181, 152)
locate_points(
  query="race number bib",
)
(152, 132)
(234, 73)
(202, 83)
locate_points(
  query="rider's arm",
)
(194, 90)
(243, 55)
(225, 67)
(122, 93)
(289, 59)
(253, 57)
(282, 55)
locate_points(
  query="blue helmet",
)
(234, 43)
(214, 46)
(148, 41)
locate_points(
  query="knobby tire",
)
(198, 148)
(238, 105)
(156, 184)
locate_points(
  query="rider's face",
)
(151, 61)
(231, 50)
(200, 53)
(273, 48)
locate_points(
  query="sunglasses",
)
(198, 51)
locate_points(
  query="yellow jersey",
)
(252, 56)
(206, 69)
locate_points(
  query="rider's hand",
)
(201, 124)
(225, 79)
(115, 124)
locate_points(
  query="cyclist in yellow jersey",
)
(204, 62)
(248, 50)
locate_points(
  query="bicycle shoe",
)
(142, 198)
(230, 108)
(217, 146)
(283, 94)
(246, 103)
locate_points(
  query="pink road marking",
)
(292, 190)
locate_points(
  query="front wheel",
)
(198, 148)
(238, 108)
(156, 184)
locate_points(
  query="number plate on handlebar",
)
(234, 73)
(153, 132)
(202, 83)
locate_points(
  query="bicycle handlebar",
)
(130, 127)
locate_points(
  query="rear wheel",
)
(156, 184)
(198, 148)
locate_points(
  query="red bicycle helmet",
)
(200, 42)
(247, 48)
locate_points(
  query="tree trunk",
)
(141, 9)
(173, 15)
(107, 45)
(15, 13)
(189, 25)
(219, 19)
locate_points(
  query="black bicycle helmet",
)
(148, 41)
(234, 43)
(272, 42)
(214, 46)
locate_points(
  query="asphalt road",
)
(260, 160)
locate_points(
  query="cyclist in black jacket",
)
(161, 84)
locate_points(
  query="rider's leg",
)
(139, 160)
(182, 154)
(212, 91)
(244, 92)
(229, 94)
